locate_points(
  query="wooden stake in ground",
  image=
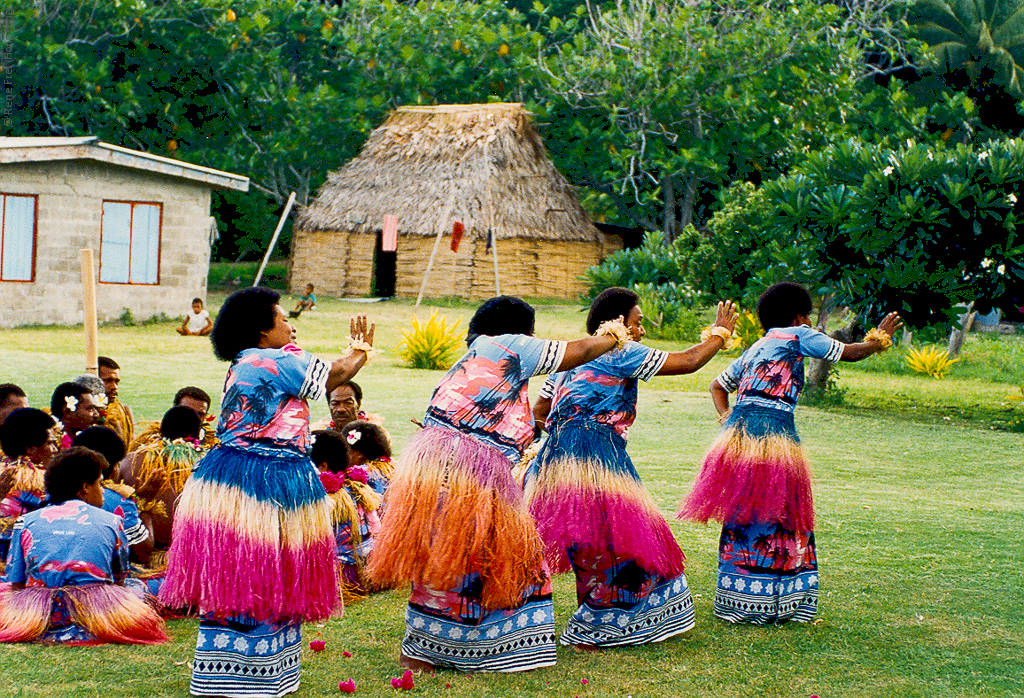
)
(273, 241)
(437, 241)
(89, 312)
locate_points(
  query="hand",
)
(358, 329)
(890, 324)
(727, 315)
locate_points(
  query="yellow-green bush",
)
(930, 360)
(431, 345)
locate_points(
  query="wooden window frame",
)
(35, 234)
(131, 218)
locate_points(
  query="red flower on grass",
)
(347, 686)
(405, 682)
(317, 645)
(346, 653)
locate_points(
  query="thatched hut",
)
(480, 164)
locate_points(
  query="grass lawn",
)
(919, 534)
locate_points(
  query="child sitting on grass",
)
(755, 477)
(67, 564)
(197, 321)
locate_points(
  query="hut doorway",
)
(382, 284)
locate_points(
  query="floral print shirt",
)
(68, 544)
(771, 372)
(264, 407)
(484, 394)
(603, 390)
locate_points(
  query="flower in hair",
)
(353, 437)
(71, 402)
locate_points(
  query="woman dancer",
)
(593, 512)
(252, 544)
(755, 478)
(455, 524)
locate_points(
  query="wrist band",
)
(880, 336)
(359, 344)
(616, 330)
(720, 332)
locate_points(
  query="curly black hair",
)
(24, 429)
(501, 315)
(372, 442)
(245, 315)
(329, 449)
(104, 441)
(71, 470)
(180, 422)
(64, 391)
(610, 304)
(780, 305)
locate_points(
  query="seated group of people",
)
(87, 505)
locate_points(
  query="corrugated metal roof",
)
(91, 148)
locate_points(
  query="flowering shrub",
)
(932, 361)
(431, 345)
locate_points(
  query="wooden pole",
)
(491, 233)
(273, 241)
(437, 242)
(89, 312)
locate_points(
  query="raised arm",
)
(361, 342)
(861, 350)
(692, 359)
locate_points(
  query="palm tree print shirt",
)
(484, 394)
(603, 390)
(264, 407)
(771, 372)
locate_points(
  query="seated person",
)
(12, 398)
(346, 405)
(67, 565)
(119, 499)
(197, 321)
(116, 414)
(369, 447)
(30, 438)
(190, 396)
(354, 510)
(76, 408)
(169, 460)
(306, 302)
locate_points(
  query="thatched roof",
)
(482, 164)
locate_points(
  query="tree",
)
(659, 104)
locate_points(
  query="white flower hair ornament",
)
(353, 437)
(71, 402)
(100, 400)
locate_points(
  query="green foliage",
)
(984, 38)
(747, 331)
(655, 262)
(918, 229)
(127, 319)
(829, 395)
(669, 311)
(431, 345)
(931, 360)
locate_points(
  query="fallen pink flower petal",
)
(317, 645)
(407, 683)
(584, 682)
(347, 686)
(346, 653)
(396, 683)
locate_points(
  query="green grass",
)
(919, 536)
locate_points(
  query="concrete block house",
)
(146, 218)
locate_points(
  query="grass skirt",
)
(452, 509)
(252, 536)
(755, 471)
(243, 657)
(584, 492)
(452, 629)
(88, 614)
(766, 574)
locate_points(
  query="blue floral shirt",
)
(67, 544)
(603, 390)
(771, 372)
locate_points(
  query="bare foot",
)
(415, 664)
(586, 648)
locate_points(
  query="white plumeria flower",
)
(353, 437)
(71, 402)
(1012, 198)
(1001, 270)
(888, 170)
(931, 155)
(983, 155)
(986, 263)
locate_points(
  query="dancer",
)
(755, 478)
(455, 524)
(252, 546)
(30, 438)
(67, 564)
(594, 514)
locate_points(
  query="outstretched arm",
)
(361, 333)
(861, 350)
(692, 359)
